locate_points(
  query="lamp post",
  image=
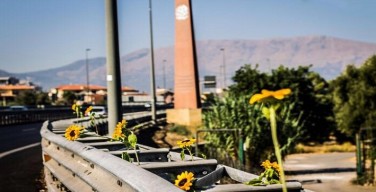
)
(164, 73)
(152, 73)
(87, 73)
(224, 67)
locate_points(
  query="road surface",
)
(20, 158)
(323, 172)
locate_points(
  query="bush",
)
(236, 113)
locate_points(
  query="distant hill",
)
(4, 73)
(328, 55)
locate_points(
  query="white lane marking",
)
(18, 149)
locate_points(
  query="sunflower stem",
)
(135, 151)
(190, 153)
(277, 150)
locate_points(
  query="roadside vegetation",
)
(317, 111)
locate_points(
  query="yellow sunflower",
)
(74, 106)
(122, 124)
(72, 132)
(186, 143)
(266, 164)
(266, 94)
(118, 132)
(87, 111)
(276, 167)
(184, 180)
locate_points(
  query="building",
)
(94, 94)
(10, 89)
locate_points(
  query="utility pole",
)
(115, 113)
(164, 73)
(87, 74)
(152, 71)
(224, 67)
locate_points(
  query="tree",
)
(311, 95)
(354, 97)
(42, 98)
(69, 97)
(26, 98)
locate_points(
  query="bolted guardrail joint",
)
(119, 183)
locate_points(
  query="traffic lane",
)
(21, 171)
(16, 136)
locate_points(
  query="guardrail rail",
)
(94, 164)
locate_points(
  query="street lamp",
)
(152, 71)
(224, 67)
(164, 73)
(87, 73)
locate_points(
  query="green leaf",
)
(274, 181)
(254, 181)
(126, 156)
(132, 139)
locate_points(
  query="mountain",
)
(328, 56)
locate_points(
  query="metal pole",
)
(358, 156)
(113, 66)
(224, 67)
(152, 73)
(164, 73)
(87, 74)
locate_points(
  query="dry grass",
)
(325, 148)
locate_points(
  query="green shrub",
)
(236, 113)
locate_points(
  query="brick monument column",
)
(187, 109)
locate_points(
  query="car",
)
(18, 108)
(99, 110)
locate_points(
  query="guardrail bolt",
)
(58, 148)
(72, 155)
(49, 142)
(92, 166)
(73, 174)
(119, 183)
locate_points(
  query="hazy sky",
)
(43, 34)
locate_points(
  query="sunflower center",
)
(72, 133)
(182, 182)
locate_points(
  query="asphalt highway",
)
(20, 158)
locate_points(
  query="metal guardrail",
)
(93, 164)
(33, 115)
(40, 115)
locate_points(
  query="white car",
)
(99, 110)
